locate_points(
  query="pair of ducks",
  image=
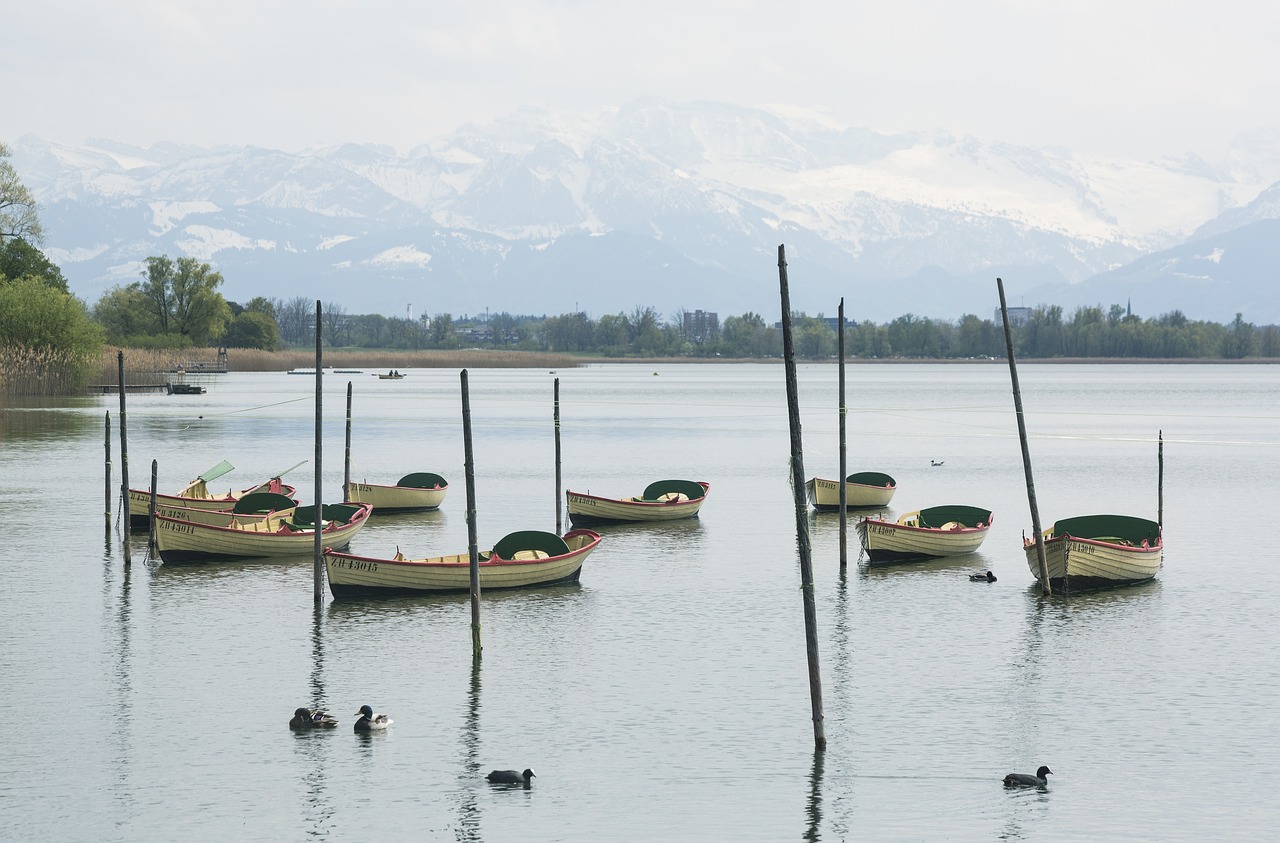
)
(317, 718)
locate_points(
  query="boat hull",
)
(363, 576)
(824, 495)
(592, 510)
(396, 498)
(140, 502)
(1079, 563)
(190, 541)
(884, 541)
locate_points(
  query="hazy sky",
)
(1136, 78)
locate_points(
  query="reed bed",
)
(41, 371)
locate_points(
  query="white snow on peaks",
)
(166, 215)
(203, 242)
(333, 241)
(400, 255)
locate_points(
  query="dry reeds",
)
(40, 371)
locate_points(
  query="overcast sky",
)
(1137, 78)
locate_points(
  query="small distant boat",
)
(286, 532)
(924, 534)
(1091, 552)
(863, 490)
(520, 560)
(664, 500)
(196, 495)
(421, 490)
(391, 376)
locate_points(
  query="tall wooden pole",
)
(802, 512)
(124, 461)
(1160, 484)
(556, 414)
(106, 445)
(473, 547)
(1045, 587)
(317, 564)
(151, 510)
(346, 463)
(844, 469)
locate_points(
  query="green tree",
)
(18, 217)
(440, 333)
(36, 316)
(252, 329)
(183, 297)
(19, 259)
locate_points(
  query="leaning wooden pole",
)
(802, 512)
(556, 414)
(346, 462)
(1160, 483)
(317, 525)
(1045, 587)
(844, 470)
(473, 546)
(106, 445)
(124, 461)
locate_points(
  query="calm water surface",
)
(665, 697)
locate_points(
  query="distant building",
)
(1017, 316)
(701, 326)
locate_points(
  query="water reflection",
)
(119, 629)
(813, 806)
(318, 808)
(468, 805)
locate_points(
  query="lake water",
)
(665, 697)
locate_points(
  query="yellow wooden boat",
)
(196, 495)
(924, 534)
(863, 490)
(520, 560)
(418, 491)
(1091, 552)
(285, 532)
(665, 500)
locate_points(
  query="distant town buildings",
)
(700, 326)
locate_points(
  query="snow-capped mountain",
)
(674, 206)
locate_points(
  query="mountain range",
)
(675, 206)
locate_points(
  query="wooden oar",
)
(214, 473)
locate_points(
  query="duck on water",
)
(370, 722)
(510, 777)
(1028, 780)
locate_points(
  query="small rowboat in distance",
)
(664, 500)
(924, 534)
(863, 490)
(1092, 552)
(523, 559)
(196, 495)
(418, 491)
(286, 532)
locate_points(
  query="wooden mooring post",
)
(473, 546)
(556, 416)
(151, 510)
(346, 462)
(106, 446)
(1160, 483)
(317, 564)
(802, 512)
(124, 460)
(1045, 587)
(844, 487)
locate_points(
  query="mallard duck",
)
(510, 777)
(369, 721)
(987, 577)
(312, 718)
(1028, 780)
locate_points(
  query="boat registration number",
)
(881, 531)
(355, 564)
(184, 527)
(1077, 547)
(361, 487)
(581, 501)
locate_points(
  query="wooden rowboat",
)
(418, 491)
(196, 495)
(521, 560)
(1091, 552)
(665, 500)
(863, 490)
(286, 532)
(924, 534)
